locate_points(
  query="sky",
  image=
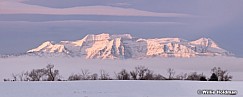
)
(25, 24)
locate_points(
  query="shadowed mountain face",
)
(124, 46)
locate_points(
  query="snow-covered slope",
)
(49, 47)
(117, 89)
(124, 46)
(208, 46)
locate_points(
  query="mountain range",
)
(125, 46)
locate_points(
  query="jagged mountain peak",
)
(49, 47)
(104, 36)
(203, 39)
(100, 37)
(43, 45)
(122, 36)
(47, 43)
(93, 37)
(168, 40)
(111, 49)
(207, 42)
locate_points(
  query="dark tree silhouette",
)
(36, 74)
(142, 73)
(123, 75)
(94, 76)
(74, 77)
(52, 75)
(213, 77)
(158, 77)
(203, 78)
(194, 76)
(171, 73)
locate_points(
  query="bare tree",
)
(104, 75)
(148, 75)
(45, 74)
(85, 74)
(14, 77)
(171, 73)
(36, 74)
(52, 75)
(142, 73)
(134, 75)
(23, 76)
(138, 73)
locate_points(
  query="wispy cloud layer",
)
(10, 7)
(95, 22)
(121, 4)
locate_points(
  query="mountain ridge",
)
(124, 46)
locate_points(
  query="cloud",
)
(12, 0)
(90, 21)
(120, 4)
(8, 7)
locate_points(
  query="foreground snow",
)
(116, 89)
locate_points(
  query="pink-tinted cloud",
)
(10, 7)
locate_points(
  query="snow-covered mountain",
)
(124, 46)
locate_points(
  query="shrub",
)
(194, 76)
(74, 77)
(213, 77)
(123, 75)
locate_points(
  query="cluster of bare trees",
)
(139, 73)
(85, 75)
(44, 74)
(220, 75)
(143, 73)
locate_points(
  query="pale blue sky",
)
(25, 24)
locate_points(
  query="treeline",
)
(139, 73)
(44, 74)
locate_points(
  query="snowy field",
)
(73, 65)
(116, 89)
